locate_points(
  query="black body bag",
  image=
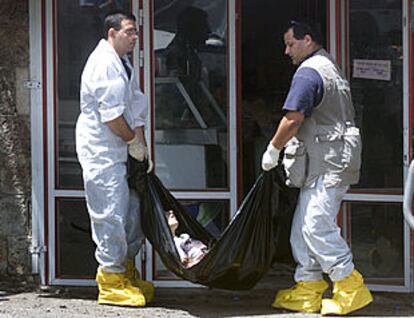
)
(257, 236)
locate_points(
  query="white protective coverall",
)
(107, 93)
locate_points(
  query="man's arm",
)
(288, 127)
(137, 146)
(120, 128)
(139, 132)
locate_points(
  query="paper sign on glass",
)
(372, 69)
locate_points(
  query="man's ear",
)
(308, 39)
(111, 33)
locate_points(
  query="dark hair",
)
(114, 19)
(300, 29)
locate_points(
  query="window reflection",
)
(191, 94)
(376, 35)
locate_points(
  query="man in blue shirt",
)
(322, 158)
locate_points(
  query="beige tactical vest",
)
(327, 144)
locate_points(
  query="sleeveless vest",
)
(327, 144)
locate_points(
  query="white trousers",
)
(316, 240)
(114, 214)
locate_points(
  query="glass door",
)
(373, 56)
(73, 29)
(267, 72)
(189, 72)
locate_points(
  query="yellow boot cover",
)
(349, 294)
(303, 297)
(135, 278)
(116, 289)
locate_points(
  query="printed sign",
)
(372, 69)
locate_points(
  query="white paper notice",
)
(372, 69)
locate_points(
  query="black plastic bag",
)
(257, 235)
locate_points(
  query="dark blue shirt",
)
(306, 91)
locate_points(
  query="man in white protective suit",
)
(322, 158)
(111, 126)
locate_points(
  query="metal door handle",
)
(408, 196)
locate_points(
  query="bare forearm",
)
(121, 128)
(288, 127)
(139, 132)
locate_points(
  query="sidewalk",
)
(73, 302)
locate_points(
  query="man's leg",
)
(321, 233)
(306, 295)
(135, 237)
(133, 226)
(308, 268)
(323, 238)
(107, 197)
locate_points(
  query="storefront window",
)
(267, 72)
(75, 249)
(377, 241)
(376, 60)
(190, 88)
(79, 28)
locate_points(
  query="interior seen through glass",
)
(191, 107)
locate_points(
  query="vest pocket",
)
(295, 163)
(341, 152)
(330, 146)
(352, 149)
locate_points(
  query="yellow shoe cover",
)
(349, 294)
(135, 278)
(115, 289)
(303, 297)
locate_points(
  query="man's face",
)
(296, 49)
(125, 39)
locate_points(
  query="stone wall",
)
(15, 181)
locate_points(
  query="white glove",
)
(150, 165)
(137, 149)
(140, 152)
(270, 158)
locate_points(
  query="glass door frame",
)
(231, 193)
(43, 56)
(42, 51)
(339, 17)
(37, 111)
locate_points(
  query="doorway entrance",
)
(266, 72)
(218, 145)
(358, 34)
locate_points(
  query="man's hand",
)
(270, 157)
(137, 149)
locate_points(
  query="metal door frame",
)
(339, 48)
(42, 129)
(38, 248)
(231, 195)
(43, 111)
